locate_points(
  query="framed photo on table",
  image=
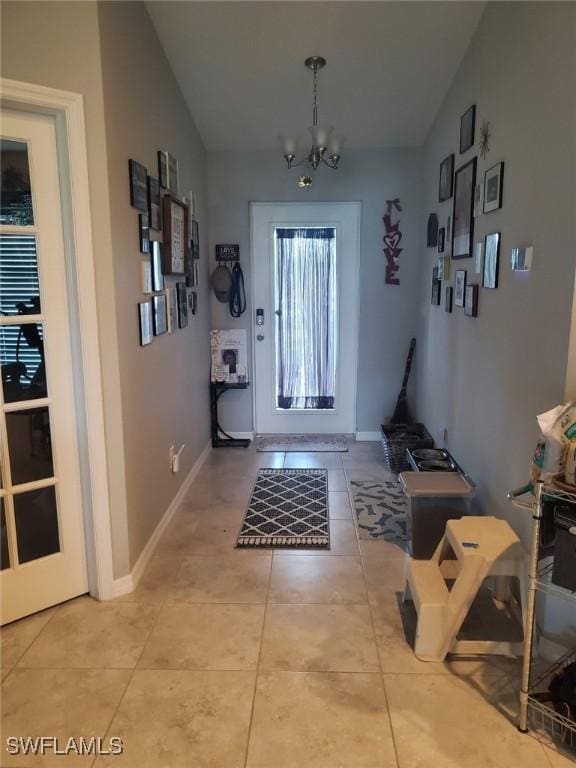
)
(463, 217)
(175, 216)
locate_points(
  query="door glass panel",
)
(22, 362)
(15, 196)
(19, 287)
(4, 552)
(29, 445)
(306, 306)
(36, 519)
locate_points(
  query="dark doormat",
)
(288, 509)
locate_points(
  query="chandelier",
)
(325, 147)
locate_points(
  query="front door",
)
(305, 261)
(42, 553)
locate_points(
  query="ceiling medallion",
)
(325, 147)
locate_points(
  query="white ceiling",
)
(240, 66)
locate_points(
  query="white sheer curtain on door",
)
(306, 322)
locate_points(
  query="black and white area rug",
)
(288, 508)
(306, 443)
(381, 510)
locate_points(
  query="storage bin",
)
(433, 499)
(396, 438)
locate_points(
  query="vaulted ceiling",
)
(240, 66)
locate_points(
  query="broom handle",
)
(408, 364)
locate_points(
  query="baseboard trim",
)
(368, 437)
(126, 584)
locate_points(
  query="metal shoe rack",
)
(536, 713)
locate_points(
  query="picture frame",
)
(449, 298)
(171, 309)
(441, 239)
(478, 257)
(446, 179)
(448, 231)
(172, 174)
(193, 302)
(478, 199)
(459, 287)
(493, 186)
(175, 218)
(463, 213)
(156, 259)
(182, 297)
(154, 204)
(432, 231)
(159, 316)
(144, 233)
(195, 239)
(146, 276)
(471, 301)
(163, 168)
(189, 267)
(138, 176)
(444, 267)
(436, 288)
(145, 323)
(491, 260)
(467, 129)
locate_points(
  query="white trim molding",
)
(68, 109)
(368, 437)
(127, 584)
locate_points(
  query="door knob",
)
(260, 337)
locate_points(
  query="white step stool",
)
(483, 546)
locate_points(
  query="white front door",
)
(43, 560)
(305, 264)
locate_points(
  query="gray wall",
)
(486, 379)
(387, 313)
(164, 386)
(157, 395)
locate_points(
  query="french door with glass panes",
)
(43, 559)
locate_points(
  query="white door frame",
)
(353, 318)
(68, 109)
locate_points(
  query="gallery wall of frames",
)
(169, 247)
(470, 193)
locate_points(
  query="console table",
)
(220, 438)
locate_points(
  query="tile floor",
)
(226, 659)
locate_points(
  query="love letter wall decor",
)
(392, 238)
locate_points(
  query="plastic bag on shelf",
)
(558, 430)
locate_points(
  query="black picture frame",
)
(144, 233)
(159, 314)
(172, 174)
(446, 179)
(432, 231)
(163, 168)
(138, 176)
(471, 301)
(157, 259)
(463, 212)
(193, 302)
(182, 297)
(145, 323)
(449, 298)
(491, 260)
(493, 186)
(441, 239)
(459, 287)
(175, 218)
(154, 204)
(467, 129)
(195, 239)
(436, 288)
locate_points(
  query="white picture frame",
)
(459, 287)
